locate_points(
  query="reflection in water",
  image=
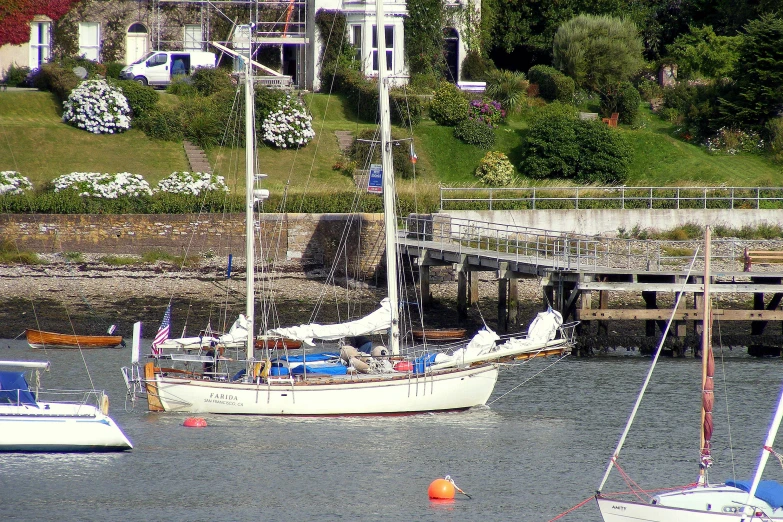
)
(537, 452)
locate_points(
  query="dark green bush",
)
(113, 70)
(449, 106)
(267, 101)
(361, 147)
(604, 153)
(623, 99)
(475, 67)
(160, 123)
(476, 133)
(552, 150)
(552, 84)
(182, 86)
(561, 145)
(56, 79)
(209, 80)
(15, 75)
(141, 98)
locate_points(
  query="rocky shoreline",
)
(88, 296)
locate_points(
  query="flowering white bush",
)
(191, 183)
(97, 107)
(109, 186)
(495, 169)
(288, 127)
(11, 182)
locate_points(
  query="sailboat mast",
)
(707, 368)
(250, 161)
(389, 210)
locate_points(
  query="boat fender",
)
(348, 351)
(105, 404)
(379, 351)
(361, 366)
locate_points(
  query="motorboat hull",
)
(365, 394)
(56, 427)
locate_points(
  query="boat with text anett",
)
(730, 501)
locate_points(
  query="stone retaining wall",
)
(308, 240)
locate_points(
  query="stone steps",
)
(197, 158)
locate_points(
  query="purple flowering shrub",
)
(486, 111)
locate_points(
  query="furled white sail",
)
(378, 320)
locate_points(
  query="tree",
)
(424, 37)
(598, 50)
(758, 87)
(702, 53)
(16, 15)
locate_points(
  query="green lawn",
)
(34, 141)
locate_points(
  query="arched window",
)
(137, 28)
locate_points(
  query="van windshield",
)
(144, 58)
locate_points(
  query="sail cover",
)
(14, 389)
(378, 320)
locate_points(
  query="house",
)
(126, 30)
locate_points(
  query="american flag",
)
(163, 332)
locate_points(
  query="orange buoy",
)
(441, 489)
(195, 422)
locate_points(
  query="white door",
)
(157, 70)
(90, 40)
(136, 43)
(40, 43)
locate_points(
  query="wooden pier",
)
(579, 274)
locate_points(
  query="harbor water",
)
(539, 449)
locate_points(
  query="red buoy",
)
(441, 489)
(195, 422)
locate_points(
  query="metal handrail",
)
(570, 251)
(614, 197)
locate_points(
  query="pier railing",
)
(573, 251)
(575, 198)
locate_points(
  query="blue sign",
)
(375, 184)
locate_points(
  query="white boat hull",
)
(712, 504)
(359, 395)
(56, 427)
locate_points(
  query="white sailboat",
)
(30, 423)
(738, 501)
(351, 385)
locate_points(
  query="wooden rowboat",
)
(439, 334)
(279, 343)
(41, 339)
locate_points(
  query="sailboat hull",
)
(56, 427)
(359, 395)
(713, 504)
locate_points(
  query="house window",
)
(356, 32)
(389, 36)
(193, 40)
(90, 40)
(40, 43)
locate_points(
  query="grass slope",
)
(34, 141)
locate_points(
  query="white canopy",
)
(378, 320)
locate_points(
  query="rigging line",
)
(726, 400)
(649, 374)
(528, 379)
(323, 120)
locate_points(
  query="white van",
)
(158, 68)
